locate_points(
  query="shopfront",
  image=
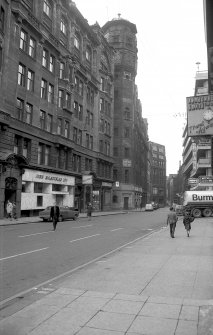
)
(11, 171)
(41, 189)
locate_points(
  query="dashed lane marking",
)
(24, 253)
(83, 238)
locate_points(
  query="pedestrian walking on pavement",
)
(14, 214)
(89, 211)
(54, 214)
(187, 219)
(9, 209)
(171, 221)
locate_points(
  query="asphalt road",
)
(33, 253)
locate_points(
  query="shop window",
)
(56, 188)
(39, 201)
(38, 187)
(114, 199)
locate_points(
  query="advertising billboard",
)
(200, 115)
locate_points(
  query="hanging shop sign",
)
(87, 179)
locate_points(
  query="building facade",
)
(130, 129)
(158, 173)
(56, 108)
(197, 161)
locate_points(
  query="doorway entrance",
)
(126, 203)
(10, 191)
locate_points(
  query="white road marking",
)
(70, 272)
(116, 229)
(89, 225)
(24, 253)
(82, 238)
(44, 232)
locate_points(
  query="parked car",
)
(65, 213)
(179, 209)
(155, 205)
(149, 207)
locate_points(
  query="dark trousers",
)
(172, 229)
(55, 221)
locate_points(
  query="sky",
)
(170, 40)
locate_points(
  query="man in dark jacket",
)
(171, 220)
(54, 214)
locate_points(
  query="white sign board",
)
(200, 115)
(47, 177)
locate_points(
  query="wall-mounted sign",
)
(87, 179)
(104, 184)
(192, 181)
(47, 177)
(206, 179)
(127, 163)
(200, 115)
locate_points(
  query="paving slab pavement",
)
(154, 286)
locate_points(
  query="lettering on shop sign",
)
(200, 128)
(42, 177)
(201, 102)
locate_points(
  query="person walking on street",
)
(14, 215)
(187, 219)
(89, 211)
(54, 214)
(9, 209)
(171, 221)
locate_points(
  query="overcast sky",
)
(171, 40)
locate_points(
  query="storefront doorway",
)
(10, 191)
(126, 203)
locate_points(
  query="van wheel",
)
(196, 213)
(207, 212)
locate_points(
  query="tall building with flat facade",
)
(56, 108)
(130, 129)
(158, 173)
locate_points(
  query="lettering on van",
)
(196, 197)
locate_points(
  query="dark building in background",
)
(208, 24)
(56, 108)
(158, 173)
(130, 129)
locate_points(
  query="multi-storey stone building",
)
(158, 173)
(130, 129)
(56, 107)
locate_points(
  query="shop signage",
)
(127, 163)
(200, 115)
(47, 177)
(206, 179)
(106, 184)
(87, 179)
(192, 181)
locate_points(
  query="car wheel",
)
(75, 217)
(45, 220)
(60, 219)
